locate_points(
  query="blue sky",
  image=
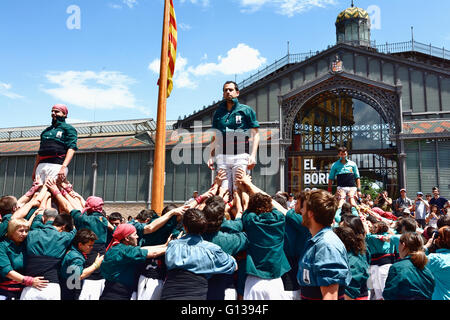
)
(102, 65)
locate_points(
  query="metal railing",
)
(415, 47)
(387, 48)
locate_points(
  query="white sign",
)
(313, 178)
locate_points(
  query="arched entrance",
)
(341, 112)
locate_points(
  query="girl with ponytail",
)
(409, 278)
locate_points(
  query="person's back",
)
(439, 265)
(409, 278)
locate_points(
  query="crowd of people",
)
(248, 245)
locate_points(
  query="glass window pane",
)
(361, 66)
(374, 69)
(273, 102)
(388, 73)
(19, 184)
(403, 76)
(261, 110)
(133, 171)
(143, 176)
(432, 93)
(417, 91)
(122, 170)
(428, 162)
(110, 181)
(169, 182)
(101, 171)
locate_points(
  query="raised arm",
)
(158, 223)
(64, 204)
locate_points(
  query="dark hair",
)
(351, 241)
(342, 149)
(281, 200)
(260, 203)
(355, 223)
(346, 208)
(443, 221)
(168, 208)
(408, 224)
(323, 205)
(443, 239)
(115, 216)
(7, 203)
(83, 236)
(145, 214)
(371, 219)
(380, 227)
(301, 196)
(64, 220)
(194, 220)
(214, 212)
(228, 82)
(414, 243)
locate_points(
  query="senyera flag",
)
(172, 52)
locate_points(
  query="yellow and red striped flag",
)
(172, 52)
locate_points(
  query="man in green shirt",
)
(236, 126)
(57, 148)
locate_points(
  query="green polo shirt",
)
(11, 258)
(296, 235)
(265, 255)
(75, 260)
(49, 242)
(94, 221)
(234, 124)
(122, 263)
(231, 243)
(359, 268)
(406, 282)
(58, 138)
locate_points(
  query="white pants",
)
(230, 163)
(230, 294)
(149, 288)
(263, 289)
(51, 292)
(48, 170)
(377, 280)
(348, 189)
(92, 289)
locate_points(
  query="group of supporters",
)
(246, 245)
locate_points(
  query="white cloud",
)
(285, 7)
(182, 77)
(130, 3)
(238, 60)
(5, 90)
(93, 90)
(114, 6)
(184, 26)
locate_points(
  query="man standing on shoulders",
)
(346, 174)
(237, 126)
(57, 148)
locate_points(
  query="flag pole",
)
(160, 140)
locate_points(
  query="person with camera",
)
(383, 202)
(403, 205)
(420, 210)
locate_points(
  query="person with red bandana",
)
(57, 148)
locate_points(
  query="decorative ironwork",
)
(385, 102)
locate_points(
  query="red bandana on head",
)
(93, 204)
(122, 231)
(61, 107)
